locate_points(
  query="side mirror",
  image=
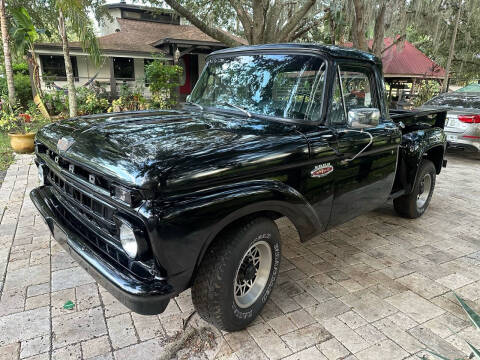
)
(363, 118)
(188, 98)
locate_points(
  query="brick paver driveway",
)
(378, 287)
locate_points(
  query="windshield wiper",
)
(194, 104)
(246, 112)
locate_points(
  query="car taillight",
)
(469, 119)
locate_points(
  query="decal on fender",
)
(321, 170)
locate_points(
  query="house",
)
(129, 40)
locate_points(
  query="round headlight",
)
(128, 240)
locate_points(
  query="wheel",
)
(237, 274)
(413, 205)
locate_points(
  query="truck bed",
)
(419, 119)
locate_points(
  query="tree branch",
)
(399, 39)
(303, 29)
(214, 32)
(244, 17)
(272, 22)
(293, 21)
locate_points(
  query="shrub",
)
(163, 80)
(19, 122)
(427, 90)
(89, 102)
(56, 102)
(131, 99)
(23, 88)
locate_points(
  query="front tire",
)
(237, 274)
(413, 205)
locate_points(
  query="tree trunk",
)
(258, 22)
(379, 31)
(6, 54)
(72, 99)
(452, 49)
(32, 59)
(333, 26)
(358, 28)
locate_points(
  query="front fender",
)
(188, 224)
(417, 145)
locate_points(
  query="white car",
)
(462, 126)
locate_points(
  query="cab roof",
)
(329, 50)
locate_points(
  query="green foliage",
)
(90, 102)
(23, 88)
(475, 319)
(22, 31)
(472, 315)
(20, 68)
(6, 153)
(427, 90)
(18, 121)
(129, 100)
(56, 102)
(163, 80)
(75, 11)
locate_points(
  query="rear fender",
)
(418, 145)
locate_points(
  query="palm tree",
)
(6, 54)
(24, 35)
(75, 12)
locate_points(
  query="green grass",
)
(6, 153)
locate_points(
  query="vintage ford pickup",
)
(152, 203)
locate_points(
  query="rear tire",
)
(237, 274)
(413, 205)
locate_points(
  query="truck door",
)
(364, 183)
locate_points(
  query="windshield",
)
(287, 86)
(456, 100)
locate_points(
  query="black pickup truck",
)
(152, 203)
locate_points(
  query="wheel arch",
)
(270, 209)
(435, 155)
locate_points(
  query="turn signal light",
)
(469, 119)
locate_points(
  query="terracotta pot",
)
(22, 143)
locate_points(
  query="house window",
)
(53, 66)
(123, 68)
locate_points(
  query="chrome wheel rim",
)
(252, 274)
(424, 191)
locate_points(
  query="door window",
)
(354, 88)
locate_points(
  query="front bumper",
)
(144, 298)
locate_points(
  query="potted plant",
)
(21, 129)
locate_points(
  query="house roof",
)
(142, 36)
(404, 60)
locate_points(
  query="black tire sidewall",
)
(426, 168)
(235, 316)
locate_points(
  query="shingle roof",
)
(139, 36)
(405, 60)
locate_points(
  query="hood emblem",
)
(321, 170)
(64, 144)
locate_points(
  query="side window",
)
(355, 87)
(300, 91)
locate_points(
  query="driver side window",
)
(352, 88)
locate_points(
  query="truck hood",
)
(167, 148)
